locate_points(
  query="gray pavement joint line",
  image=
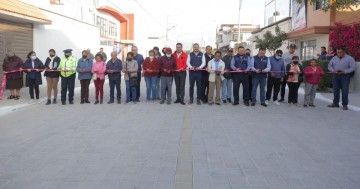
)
(184, 166)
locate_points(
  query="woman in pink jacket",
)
(312, 78)
(98, 70)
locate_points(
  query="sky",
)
(194, 20)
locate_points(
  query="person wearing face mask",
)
(275, 77)
(157, 55)
(248, 53)
(294, 77)
(139, 59)
(130, 69)
(67, 69)
(52, 76)
(14, 81)
(196, 60)
(151, 67)
(84, 67)
(260, 65)
(167, 67)
(33, 77)
(287, 57)
(180, 74)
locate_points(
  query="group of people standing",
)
(207, 71)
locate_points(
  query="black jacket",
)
(37, 65)
(301, 76)
(56, 64)
(227, 61)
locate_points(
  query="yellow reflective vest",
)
(69, 64)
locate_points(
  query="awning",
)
(16, 10)
(308, 31)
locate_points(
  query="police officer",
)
(67, 69)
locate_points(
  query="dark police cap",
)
(67, 50)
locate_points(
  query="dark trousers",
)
(68, 84)
(273, 83)
(137, 87)
(85, 89)
(33, 86)
(283, 87)
(115, 83)
(293, 92)
(341, 83)
(195, 76)
(204, 86)
(241, 78)
(180, 78)
(250, 88)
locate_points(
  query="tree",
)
(270, 41)
(335, 4)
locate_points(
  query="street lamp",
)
(167, 30)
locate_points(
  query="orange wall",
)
(317, 17)
(348, 16)
(131, 26)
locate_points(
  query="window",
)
(235, 37)
(102, 23)
(308, 49)
(112, 29)
(320, 4)
(56, 2)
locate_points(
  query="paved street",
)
(152, 146)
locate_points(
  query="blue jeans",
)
(255, 83)
(115, 84)
(133, 90)
(341, 83)
(226, 89)
(151, 88)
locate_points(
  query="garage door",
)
(17, 37)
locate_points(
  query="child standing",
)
(313, 73)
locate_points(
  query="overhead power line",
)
(147, 12)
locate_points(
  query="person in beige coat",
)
(216, 69)
(130, 69)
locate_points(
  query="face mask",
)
(296, 62)
(33, 57)
(168, 55)
(52, 55)
(84, 56)
(248, 54)
(278, 57)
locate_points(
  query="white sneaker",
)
(266, 102)
(277, 103)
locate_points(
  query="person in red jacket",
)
(313, 73)
(180, 74)
(151, 68)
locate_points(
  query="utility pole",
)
(240, 3)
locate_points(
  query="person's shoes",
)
(182, 103)
(333, 105)
(63, 103)
(224, 101)
(247, 103)
(264, 104)
(71, 102)
(119, 101)
(82, 102)
(198, 102)
(235, 103)
(162, 101)
(96, 102)
(101, 101)
(204, 101)
(127, 101)
(191, 101)
(277, 103)
(159, 98)
(48, 102)
(218, 103)
(253, 103)
(229, 100)
(345, 107)
(312, 105)
(137, 100)
(177, 101)
(54, 101)
(267, 102)
(281, 100)
(11, 97)
(16, 97)
(210, 103)
(168, 102)
(87, 102)
(111, 102)
(305, 106)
